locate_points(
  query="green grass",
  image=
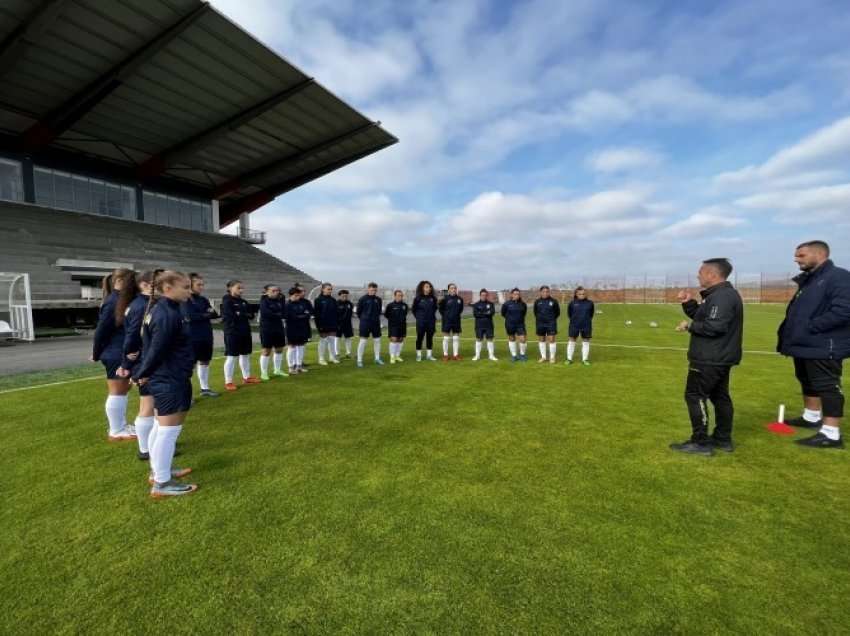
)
(462, 498)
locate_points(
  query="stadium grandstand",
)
(132, 131)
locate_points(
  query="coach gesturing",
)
(716, 328)
(816, 333)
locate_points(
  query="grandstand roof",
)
(170, 92)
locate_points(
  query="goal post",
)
(16, 307)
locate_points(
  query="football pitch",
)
(435, 498)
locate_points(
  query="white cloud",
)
(612, 160)
(803, 206)
(818, 158)
(705, 223)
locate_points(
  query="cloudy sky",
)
(544, 140)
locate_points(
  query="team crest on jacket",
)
(147, 319)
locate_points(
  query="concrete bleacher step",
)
(34, 238)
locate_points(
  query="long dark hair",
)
(126, 295)
(420, 289)
(577, 290)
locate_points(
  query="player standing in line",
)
(396, 314)
(369, 314)
(119, 289)
(484, 311)
(344, 330)
(272, 332)
(451, 309)
(166, 370)
(425, 311)
(580, 312)
(298, 312)
(326, 318)
(236, 316)
(133, 318)
(547, 310)
(200, 313)
(514, 311)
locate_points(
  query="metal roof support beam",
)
(64, 117)
(160, 162)
(14, 47)
(276, 166)
(228, 214)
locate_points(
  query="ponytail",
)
(128, 291)
(162, 278)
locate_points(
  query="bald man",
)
(816, 334)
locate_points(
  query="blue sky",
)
(545, 140)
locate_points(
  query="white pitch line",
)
(531, 342)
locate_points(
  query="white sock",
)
(144, 426)
(571, 349)
(116, 413)
(445, 345)
(811, 416)
(542, 347)
(361, 349)
(290, 356)
(430, 353)
(523, 347)
(376, 347)
(245, 366)
(419, 354)
(323, 344)
(229, 368)
(330, 345)
(456, 345)
(398, 347)
(832, 432)
(348, 345)
(393, 349)
(491, 348)
(336, 346)
(585, 350)
(512, 347)
(162, 452)
(302, 350)
(152, 435)
(553, 349)
(204, 376)
(478, 348)
(278, 361)
(264, 364)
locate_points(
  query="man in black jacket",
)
(816, 333)
(716, 326)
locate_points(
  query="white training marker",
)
(781, 419)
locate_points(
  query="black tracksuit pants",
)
(426, 333)
(709, 383)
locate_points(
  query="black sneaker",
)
(693, 448)
(724, 445)
(801, 422)
(819, 440)
(143, 457)
(209, 393)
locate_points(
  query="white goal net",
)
(15, 307)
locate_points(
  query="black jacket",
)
(344, 311)
(167, 351)
(133, 318)
(581, 313)
(513, 311)
(369, 309)
(483, 311)
(451, 309)
(272, 312)
(396, 313)
(297, 314)
(717, 326)
(108, 336)
(547, 311)
(324, 313)
(236, 315)
(425, 311)
(199, 311)
(817, 321)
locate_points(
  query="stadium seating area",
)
(35, 238)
